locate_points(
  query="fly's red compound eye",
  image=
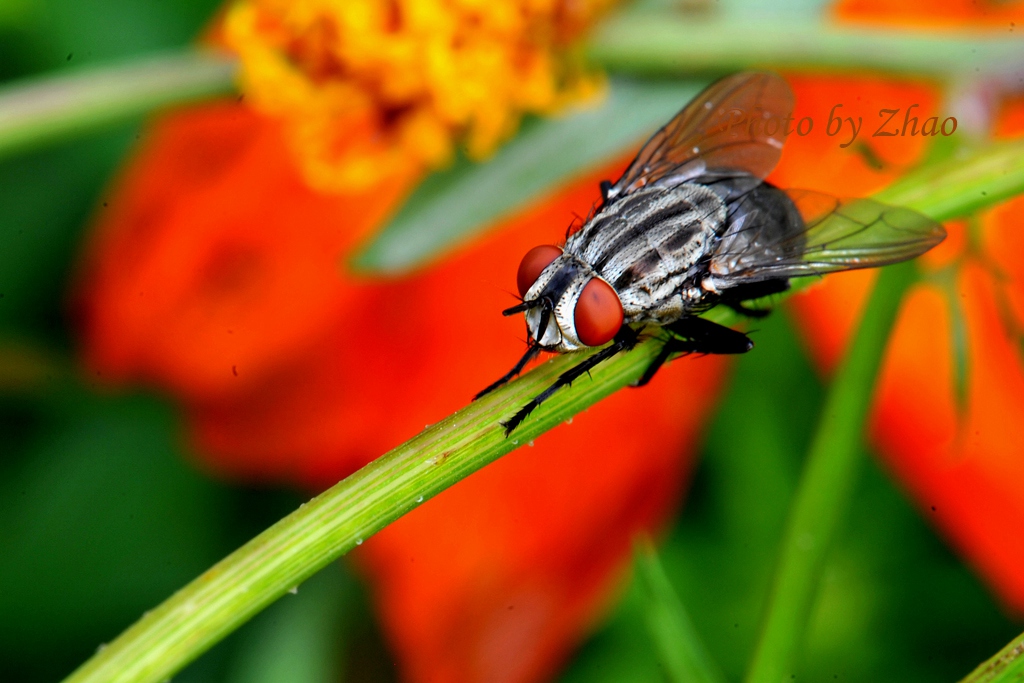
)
(598, 313)
(535, 261)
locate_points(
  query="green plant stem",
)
(1006, 666)
(661, 43)
(220, 600)
(40, 110)
(827, 484)
(680, 650)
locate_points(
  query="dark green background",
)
(101, 516)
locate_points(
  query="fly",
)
(692, 224)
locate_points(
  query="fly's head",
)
(568, 307)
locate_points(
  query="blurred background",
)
(116, 491)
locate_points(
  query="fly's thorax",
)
(559, 285)
(649, 246)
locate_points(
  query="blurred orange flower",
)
(949, 411)
(415, 76)
(929, 13)
(214, 274)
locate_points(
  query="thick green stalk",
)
(224, 597)
(41, 110)
(662, 43)
(826, 487)
(1006, 666)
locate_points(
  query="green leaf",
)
(99, 517)
(451, 206)
(682, 654)
(663, 43)
(15, 13)
(959, 340)
(826, 486)
(298, 641)
(41, 110)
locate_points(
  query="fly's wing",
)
(774, 234)
(737, 123)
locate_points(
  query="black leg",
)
(735, 296)
(531, 352)
(667, 349)
(696, 335)
(533, 348)
(624, 341)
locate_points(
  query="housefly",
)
(690, 225)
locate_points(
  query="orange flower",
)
(419, 75)
(214, 275)
(949, 411)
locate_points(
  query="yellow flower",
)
(413, 78)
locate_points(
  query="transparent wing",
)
(776, 234)
(737, 123)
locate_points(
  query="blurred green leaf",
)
(722, 553)
(878, 615)
(16, 13)
(680, 651)
(45, 197)
(827, 483)
(300, 639)
(620, 651)
(67, 33)
(451, 206)
(99, 516)
(41, 110)
(26, 367)
(669, 42)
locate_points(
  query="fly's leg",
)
(533, 348)
(696, 335)
(735, 296)
(531, 352)
(667, 349)
(624, 341)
